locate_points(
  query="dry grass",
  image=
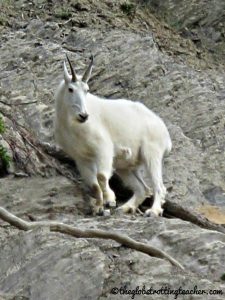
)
(213, 213)
(6, 10)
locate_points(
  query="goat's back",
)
(129, 123)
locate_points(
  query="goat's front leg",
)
(88, 172)
(104, 173)
(96, 200)
(108, 195)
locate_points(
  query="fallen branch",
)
(177, 211)
(91, 233)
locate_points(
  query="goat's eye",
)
(70, 90)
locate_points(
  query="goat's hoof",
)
(110, 203)
(128, 209)
(98, 211)
(106, 213)
(153, 212)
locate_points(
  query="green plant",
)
(223, 277)
(128, 8)
(63, 13)
(6, 9)
(2, 126)
(4, 157)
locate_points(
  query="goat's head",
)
(76, 89)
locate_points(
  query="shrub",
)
(4, 157)
(128, 8)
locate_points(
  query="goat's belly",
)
(122, 163)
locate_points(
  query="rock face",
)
(137, 57)
(201, 21)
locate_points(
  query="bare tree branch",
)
(177, 211)
(90, 233)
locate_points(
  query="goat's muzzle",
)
(82, 117)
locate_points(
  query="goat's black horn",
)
(74, 77)
(87, 73)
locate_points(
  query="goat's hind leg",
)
(164, 192)
(138, 174)
(154, 166)
(132, 181)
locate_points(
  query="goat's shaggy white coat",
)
(118, 135)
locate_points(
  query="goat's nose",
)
(83, 117)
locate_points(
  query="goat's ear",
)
(87, 73)
(67, 77)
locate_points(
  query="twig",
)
(21, 103)
(25, 103)
(90, 233)
(5, 103)
(72, 49)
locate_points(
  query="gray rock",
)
(141, 60)
(201, 21)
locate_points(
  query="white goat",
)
(104, 136)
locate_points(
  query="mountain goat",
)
(105, 135)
